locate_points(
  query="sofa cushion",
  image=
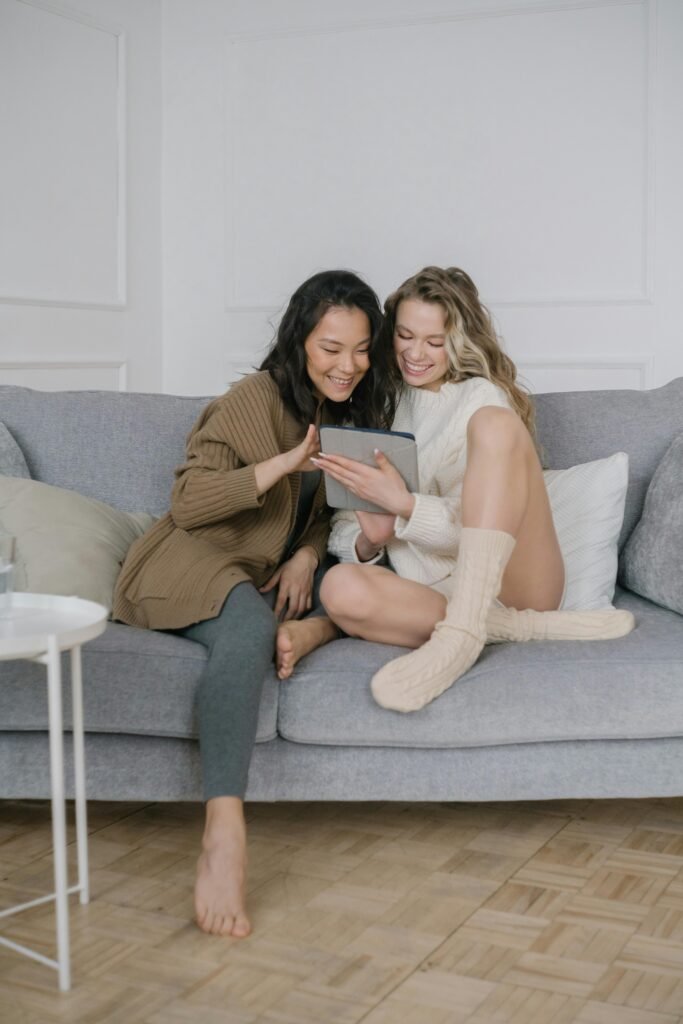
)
(12, 461)
(579, 426)
(587, 503)
(119, 448)
(652, 561)
(135, 681)
(515, 693)
(66, 543)
(122, 448)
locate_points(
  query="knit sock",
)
(503, 624)
(410, 682)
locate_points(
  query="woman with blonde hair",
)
(473, 557)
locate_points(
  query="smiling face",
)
(420, 344)
(338, 352)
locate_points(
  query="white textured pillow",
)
(587, 502)
(66, 543)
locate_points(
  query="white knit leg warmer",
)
(410, 682)
(504, 624)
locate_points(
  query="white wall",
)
(80, 183)
(172, 170)
(535, 144)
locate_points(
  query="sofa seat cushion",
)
(516, 693)
(135, 681)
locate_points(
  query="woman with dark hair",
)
(245, 534)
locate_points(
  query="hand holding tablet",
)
(369, 470)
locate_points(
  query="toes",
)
(206, 923)
(241, 927)
(283, 654)
(227, 925)
(224, 924)
(219, 924)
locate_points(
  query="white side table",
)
(38, 627)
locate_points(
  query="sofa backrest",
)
(122, 447)
(579, 426)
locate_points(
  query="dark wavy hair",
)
(373, 401)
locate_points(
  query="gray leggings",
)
(240, 643)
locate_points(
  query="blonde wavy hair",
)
(471, 342)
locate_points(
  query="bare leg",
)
(508, 546)
(504, 490)
(365, 601)
(219, 894)
(373, 603)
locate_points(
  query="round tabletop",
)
(32, 618)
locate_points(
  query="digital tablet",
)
(359, 443)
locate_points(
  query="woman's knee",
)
(346, 593)
(248, 626)
(497, 431)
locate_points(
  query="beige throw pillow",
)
(66, 543)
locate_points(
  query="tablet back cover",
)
(359, 444)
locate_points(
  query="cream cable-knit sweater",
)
(425, 547)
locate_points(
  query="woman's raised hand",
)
(298, 459)
(383, 485)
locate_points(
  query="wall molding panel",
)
(533, 142)
(115, 298)
(477, 13)
(242, 62)
(67, 374)
(586, 373)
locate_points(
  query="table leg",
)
(54, 687)
(79, 774)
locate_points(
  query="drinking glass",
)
(7, 546)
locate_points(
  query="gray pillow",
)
(652, 560)
(12, 461)
(66, 543)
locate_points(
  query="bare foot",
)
(297, 638)
(219, 895)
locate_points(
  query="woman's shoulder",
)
(452, 404)
(259, 382)
(476, 392)
(250, 399)
(254, 392)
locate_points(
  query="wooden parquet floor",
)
(538, 913)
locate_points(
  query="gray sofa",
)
(528, 721)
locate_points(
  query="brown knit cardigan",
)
(219, 531)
